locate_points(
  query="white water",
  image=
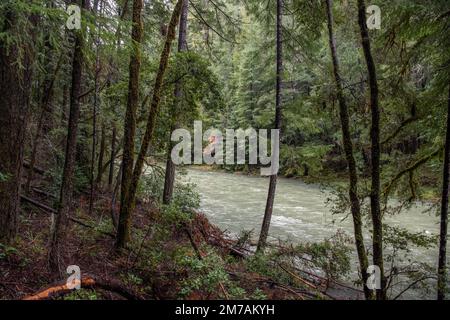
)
(236, 202)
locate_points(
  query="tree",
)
(273, 178)
(130, 122)
(112, 157)
(377, 236)
(15, 89)
(348, 149)
(169, 179)
(442, 265)
(59, 228)
(129, 190)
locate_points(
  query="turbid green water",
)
(236, 202)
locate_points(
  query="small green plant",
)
(132, 279)
(205, 275)
(3, 177)
(6, 251)
(82, 294)
(332, 256)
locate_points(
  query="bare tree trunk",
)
(15, 89)
(123, 230)
(442, 265)
(169, 179)
(273, 178)
(101, 168)
(375, 151)
(130, 122)
(94, 116)
(112, 157)
(348, 149)
(46, 97)
(58, 232)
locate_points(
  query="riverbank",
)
(303, 214)
(171, 256)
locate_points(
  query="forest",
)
(93, 94)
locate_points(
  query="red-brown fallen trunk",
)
(86, 283)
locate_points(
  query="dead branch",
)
(48, 209)
(86, 283)
(399, 129)
(36, 169)
(411, 168)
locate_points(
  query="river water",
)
(236, 202)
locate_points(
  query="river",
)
(236, 202)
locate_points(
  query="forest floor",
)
(163, 261)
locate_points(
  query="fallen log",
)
(48, 209)
(86, 283)
(26, 165)
(44, 193)
(38, 204)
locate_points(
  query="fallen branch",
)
(26, 165)
(200, 257)
(86, 283)
(44, 193)
(38, 204)
(53, 211)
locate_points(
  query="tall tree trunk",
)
(123, 230)
(112, 157)
(375, 151)
(46, 97)
(442, 265)
(348, 149)
(101, 168)
(15, 90)
(58, 232)
(273, 178)
(169, 179)
(94, 115)
(130, 121)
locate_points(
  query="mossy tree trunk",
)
(129, 187)
(375, 210)
(442, 264)
(169, 179)
(15, 90)
(130, 123)
(348, 149)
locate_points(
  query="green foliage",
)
(204, 275)
(82, 294)
(3, 177)
(332, 256)
(7, 251)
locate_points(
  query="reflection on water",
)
(236, 202)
